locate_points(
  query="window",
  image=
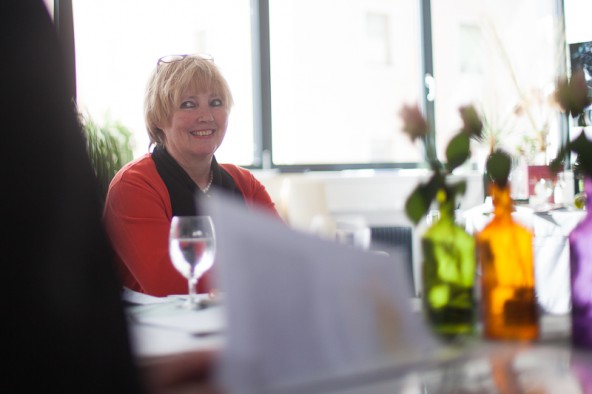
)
(504, 56)
(471, 54)
(318, 84)
(118, 43)
(579, 40)
(378, 42)
(335, 93)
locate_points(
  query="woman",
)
(186, 109)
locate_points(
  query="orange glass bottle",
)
(505, 254)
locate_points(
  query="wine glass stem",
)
(192, 299)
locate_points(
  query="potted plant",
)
(448, 266)
(574, 100)
(109, 147)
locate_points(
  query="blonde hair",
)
(169, 80)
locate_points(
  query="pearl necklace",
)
(207, 188)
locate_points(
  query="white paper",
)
(303, 309)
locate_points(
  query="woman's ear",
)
(162, 126)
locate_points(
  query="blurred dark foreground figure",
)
(66, 331)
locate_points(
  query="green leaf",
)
(108, 146)
(419, 201)
(416, 206)
(456, 189)
(499, 164)
(458, 150)
(556, 165)
(472, 124)
(433, 185)
(582, 146)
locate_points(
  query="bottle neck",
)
(502, 201)
(446, 208)
(588, 191)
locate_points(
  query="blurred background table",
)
(551, 249)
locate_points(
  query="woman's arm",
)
(137, 216)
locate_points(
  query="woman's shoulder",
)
(253, 190)
(140, 165)
(141, 169)
(242, 176)
(236, 171)
(137, 187)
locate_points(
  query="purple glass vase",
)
(580, 241)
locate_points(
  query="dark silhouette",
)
(66, 330)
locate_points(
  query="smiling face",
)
(196, 127)
(186, 107)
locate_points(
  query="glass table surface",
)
(548, 365)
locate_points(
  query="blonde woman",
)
(187, 106)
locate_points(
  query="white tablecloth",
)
(159, 327)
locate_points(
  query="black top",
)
(182, 189)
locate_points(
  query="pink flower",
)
(572, 95)
(472, 124)
(414, 124)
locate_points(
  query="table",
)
(549, 365)
(159, 327)
(506, 370)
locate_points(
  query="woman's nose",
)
(204, 114)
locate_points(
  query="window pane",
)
(579, 39)
(340, 72)
(503, 56)
(119, 41)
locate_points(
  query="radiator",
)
(386, 238)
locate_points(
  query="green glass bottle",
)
(448, 273)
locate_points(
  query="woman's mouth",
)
(202, 133)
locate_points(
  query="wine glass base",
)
(194, 305)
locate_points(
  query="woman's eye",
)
(187, 104)
(216, 103)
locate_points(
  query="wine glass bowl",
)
(192, 248)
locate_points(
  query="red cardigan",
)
(137, 217)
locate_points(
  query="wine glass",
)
(353, 231)
(192, 247)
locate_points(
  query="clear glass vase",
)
(505, 254)
(580, 241)
(448, 275)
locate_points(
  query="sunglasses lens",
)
(176, 58)
(171, 58)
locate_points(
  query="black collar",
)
(182, 190)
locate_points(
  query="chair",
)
(304, 204)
